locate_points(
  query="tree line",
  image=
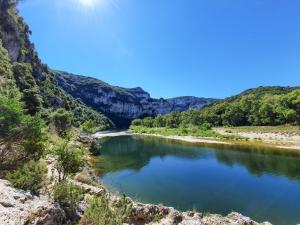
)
(262, 106)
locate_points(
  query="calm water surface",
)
(264, 185)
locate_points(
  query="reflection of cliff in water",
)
(135, 152)
(258, 163)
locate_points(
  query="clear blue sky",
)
(210, 48)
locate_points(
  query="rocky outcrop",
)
(20, 207)
(161, 215)
(123, 104)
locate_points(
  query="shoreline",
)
(157, 214)
(283, 145)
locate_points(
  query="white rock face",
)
(16, 206)
(123, 103)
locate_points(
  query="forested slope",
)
(257, 106)
(39, 90)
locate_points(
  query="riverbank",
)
(22, 207)
(172, 137)
(284, 137)
(281, 137)
(153, 214)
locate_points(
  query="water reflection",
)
(135, 152)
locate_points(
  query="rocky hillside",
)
(85, 97)
(123, 104)
(39, 90)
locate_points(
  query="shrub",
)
(69, 160)
(136, 122)
(206, 126)
(21, 136)
(62, 120)
(101, 213)
(30, 176)
(67, 195)
(23, 74)
(89, 126)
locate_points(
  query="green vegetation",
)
(67, 195)
(69, 160)
(285, 129)
(30, 176)
(24, 74)
(101, 213)
(90, 127)
(7, 83)
(62, 120)
(27, 85)
(21, 136)
(261, 106)
(181, 131)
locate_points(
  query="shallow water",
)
(259, 183)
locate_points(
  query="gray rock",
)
(20, 207)
(123, 104)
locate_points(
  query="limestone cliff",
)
(123, 104)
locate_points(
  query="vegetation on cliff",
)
(260, 106)
(40, 92)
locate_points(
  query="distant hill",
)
(271, 105)
(123, 104)
(257, 106)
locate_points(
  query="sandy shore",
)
(103, 134)
(278, 139)
(172, 137)
(274, 140)
(190, 139)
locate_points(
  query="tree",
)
(69, 160)
(136, 122)
(27, 84)
(234, 116)
(89, 126)
(148, 122)
(62, 120)
(159, 121)
(7, 83)
(33, 101)
(173, 119)
(21, 136)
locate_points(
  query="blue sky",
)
(209, 48)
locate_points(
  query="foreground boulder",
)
(20, 207)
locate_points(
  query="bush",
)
(67, 195)
(62, 120)
(136, 122)
(30, 177)
(23, 74)
(101, 213)
(206, 126)
(21, 136)
(69, 160)
(89, 126)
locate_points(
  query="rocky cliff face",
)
(123, 104)
(14, 38)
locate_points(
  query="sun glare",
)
(88, 3)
